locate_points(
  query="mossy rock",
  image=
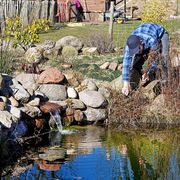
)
(90, 51)
(34, 55)
(69, 52)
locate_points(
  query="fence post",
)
(111, 21)
(177, 7)
(125, 11)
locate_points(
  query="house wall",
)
(93, 5)
(93, 9)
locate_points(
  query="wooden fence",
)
(28, 9)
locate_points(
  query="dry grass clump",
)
(125, 112)
(172, 89)
(101, 41)
(172, 92)
(128, 112)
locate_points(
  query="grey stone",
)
(28, 81)
(95, 114)
(31, 111)
(92, 98)
(34, 102)
(19, 92)
(14, 111)
(71, 92)
(69, 41)
(54, 92)
(69, 52)
(7, 118)
(77, 104)
(104, 91)
(89, 84)
(117, 84)
(34, 55)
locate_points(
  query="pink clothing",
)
(78, 5)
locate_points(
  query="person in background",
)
(149, 42)
(79, 10)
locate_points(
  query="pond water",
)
(97, 154)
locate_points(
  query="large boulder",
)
(117, 84)
(31, 111)
(14, 111)
(69, 41)
(76, 104)
(48, 44)
(54, 92)
(50, 76)
(28, 81)
(92, 98)
(19, 92)
(95, 114)
(7, 118)
(159, 114)
(69, 52)
(34, 55)
(89, 84)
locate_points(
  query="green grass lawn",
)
(89, 66)
(120, 31)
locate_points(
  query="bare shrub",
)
(125, 111)
(101, 41)
(172, 88)
(128, 112)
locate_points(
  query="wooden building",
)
(54, 10)
(62, 10)
(94, 9)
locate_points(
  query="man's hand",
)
(145, 78)
(126, 88)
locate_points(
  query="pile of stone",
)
(31, 96)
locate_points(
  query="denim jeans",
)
(165, 55)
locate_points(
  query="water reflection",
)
(95, 154)
(84, 166)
